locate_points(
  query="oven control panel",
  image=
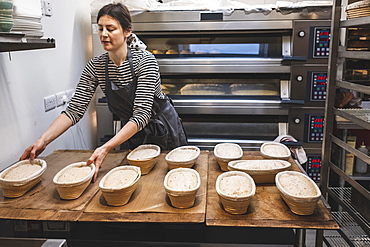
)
(321, 42)
(315, 128)
(318, 83)
(313, 167)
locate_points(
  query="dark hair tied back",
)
(119, 12)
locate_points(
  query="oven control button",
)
(297, 120)
(301, 33)
(299, 78)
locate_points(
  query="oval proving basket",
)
(184, 156)
(235, 190)
(119, 184)
(226, 152)
(262, 171)
(73, 179)
(298, 191)
(275, 150)
(145, 157)
(19, 178)
(182, 185)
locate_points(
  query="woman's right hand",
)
(58, 127)
(33, 151)
(97, 158)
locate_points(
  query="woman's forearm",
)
(58, 127)
(127, 131)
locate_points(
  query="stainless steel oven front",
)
(240, 77)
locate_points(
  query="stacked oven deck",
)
(243, 78)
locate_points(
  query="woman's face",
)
(111, 34)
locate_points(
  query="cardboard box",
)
(350, 158)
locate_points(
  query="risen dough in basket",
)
(120, 178)
(183, 155)
(182, 180)
(275, 150)
(259, 164)
(74, 174)
(297, 185)
(142, 154)
(235, 185)
(21, 171)
(228, 150)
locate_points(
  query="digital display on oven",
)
(313, 167)
(318, 86)
(321, 42)
(315, 128)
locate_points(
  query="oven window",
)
(226, 87)
(200, 45)
(225, 49)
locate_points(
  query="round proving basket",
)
(119, 195)
(182, 185)
(184, 156)
(73, 188)
(262, 171)
(299, 192)
(145, 157)
(275, 150)
(15, 181)
(226, 152)
(231, 199)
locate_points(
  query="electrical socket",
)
(50, 102)
(47, 8)
(61, 98)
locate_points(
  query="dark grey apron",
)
(164, 127)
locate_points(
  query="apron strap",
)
(131, 63)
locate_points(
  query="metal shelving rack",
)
(355, 228)
(17, 42)
(19, 46)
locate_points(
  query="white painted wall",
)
(26, 77)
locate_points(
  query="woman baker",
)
(129, 77)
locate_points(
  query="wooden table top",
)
(267, 208)
(42, 202)
(149, 203)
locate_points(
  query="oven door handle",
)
(289, 59)
(293, 101)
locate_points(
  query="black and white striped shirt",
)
(148, 85)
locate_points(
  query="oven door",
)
(223, 51)
(247, 109)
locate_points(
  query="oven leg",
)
(300, 238)
(319, 238)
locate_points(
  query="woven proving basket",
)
(235, 204)
(74, 189)
(275, 150)
(15, 188)
(301, 205)
(119, 196)
(182, 198)
(358, 9)
(262, 171)
(176, 158)
(145, 157)
(226, 152)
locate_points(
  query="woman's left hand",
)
(97, 158)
